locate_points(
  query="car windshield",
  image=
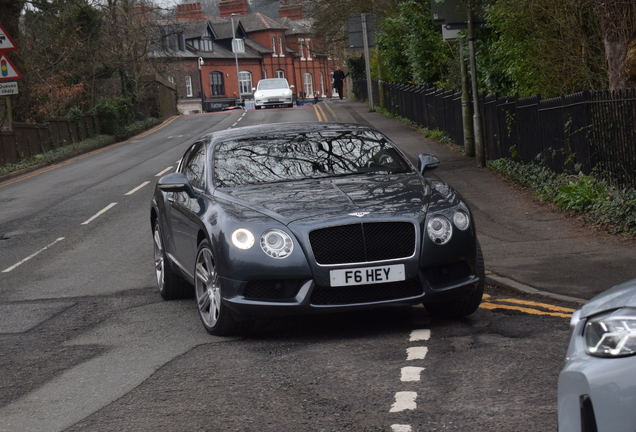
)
(272, 84)
(304, 156)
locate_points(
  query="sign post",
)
(8, 73)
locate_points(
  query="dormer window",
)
(281, 49)
(274, 46)
(238, 45)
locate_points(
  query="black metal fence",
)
(583, 131)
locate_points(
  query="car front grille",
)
(327, 296)
(447, 274)
(272, 290)
(363, 242)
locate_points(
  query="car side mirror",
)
(175, 182)
(291, 86)
(426, 162)
(253, 88)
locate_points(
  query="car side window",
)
(194, 166)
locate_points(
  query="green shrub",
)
(597, 201)
(114, 113)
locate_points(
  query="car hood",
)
(623, 295)
(273, 92)
(396, 194)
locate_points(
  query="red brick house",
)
(267, 48)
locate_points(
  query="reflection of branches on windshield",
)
(295, 157)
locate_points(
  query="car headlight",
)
(258, 94)
(439, 229)
(461, 220)
(612, 334)
(242, 238)
(277, 243)
(287, 93)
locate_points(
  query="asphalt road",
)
(86, 343)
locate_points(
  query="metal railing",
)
(584, 131)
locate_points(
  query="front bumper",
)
(309, 297)
(273, 101)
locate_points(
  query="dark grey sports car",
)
(287, 219)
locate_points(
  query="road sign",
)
(8, 72)
(355, 31)
(8, 88)
(6, 43)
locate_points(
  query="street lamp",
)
(201, 83)
(235, 49)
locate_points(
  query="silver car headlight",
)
(612, 334)
(243, 238)
(439, 229)
(287, 93)
(258, 95)
(277, 243)
(461, 220)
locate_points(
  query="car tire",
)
(171, 286)
(466, 305)
(217, 319)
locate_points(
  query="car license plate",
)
(367, 275)
(273, 100)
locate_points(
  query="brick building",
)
(266, 48)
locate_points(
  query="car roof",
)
(285, 129)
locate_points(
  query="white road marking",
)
(104, 210)
(164, 171)
(420, 335)
(411, 373)
(401, 428)
(416, 353)
(31, 256)
(137, 188)
(404, 401)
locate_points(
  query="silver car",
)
(273, 92)
(597, 387)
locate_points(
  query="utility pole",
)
(367, 63)
(235, 49)
(467, 114)
(201, 85)
(479, 137)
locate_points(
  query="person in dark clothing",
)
(338, 78)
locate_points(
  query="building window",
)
(274, 46)
(302, 49)
(308, 49)
(245, 82)
(280, 73)
(309, 87)
(281, 50)
(188, 86)
(264, 74)
(216, 84)
(238, 45)
(322, 85)
(206, 45)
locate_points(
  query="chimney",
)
(292, 9)
(190, 11)
(228, 7)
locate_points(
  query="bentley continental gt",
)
(293, 219)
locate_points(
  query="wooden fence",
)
(29, 139)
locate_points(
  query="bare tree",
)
(618, 23)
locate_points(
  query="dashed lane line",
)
(404, 401)
(164, 171)
(99, 213)
(420, 335)
(416, 353)
(32, 255)
(401, 428)
(411, 373)
(137, 188)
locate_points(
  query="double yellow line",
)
(548, 309)
(319, 111)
